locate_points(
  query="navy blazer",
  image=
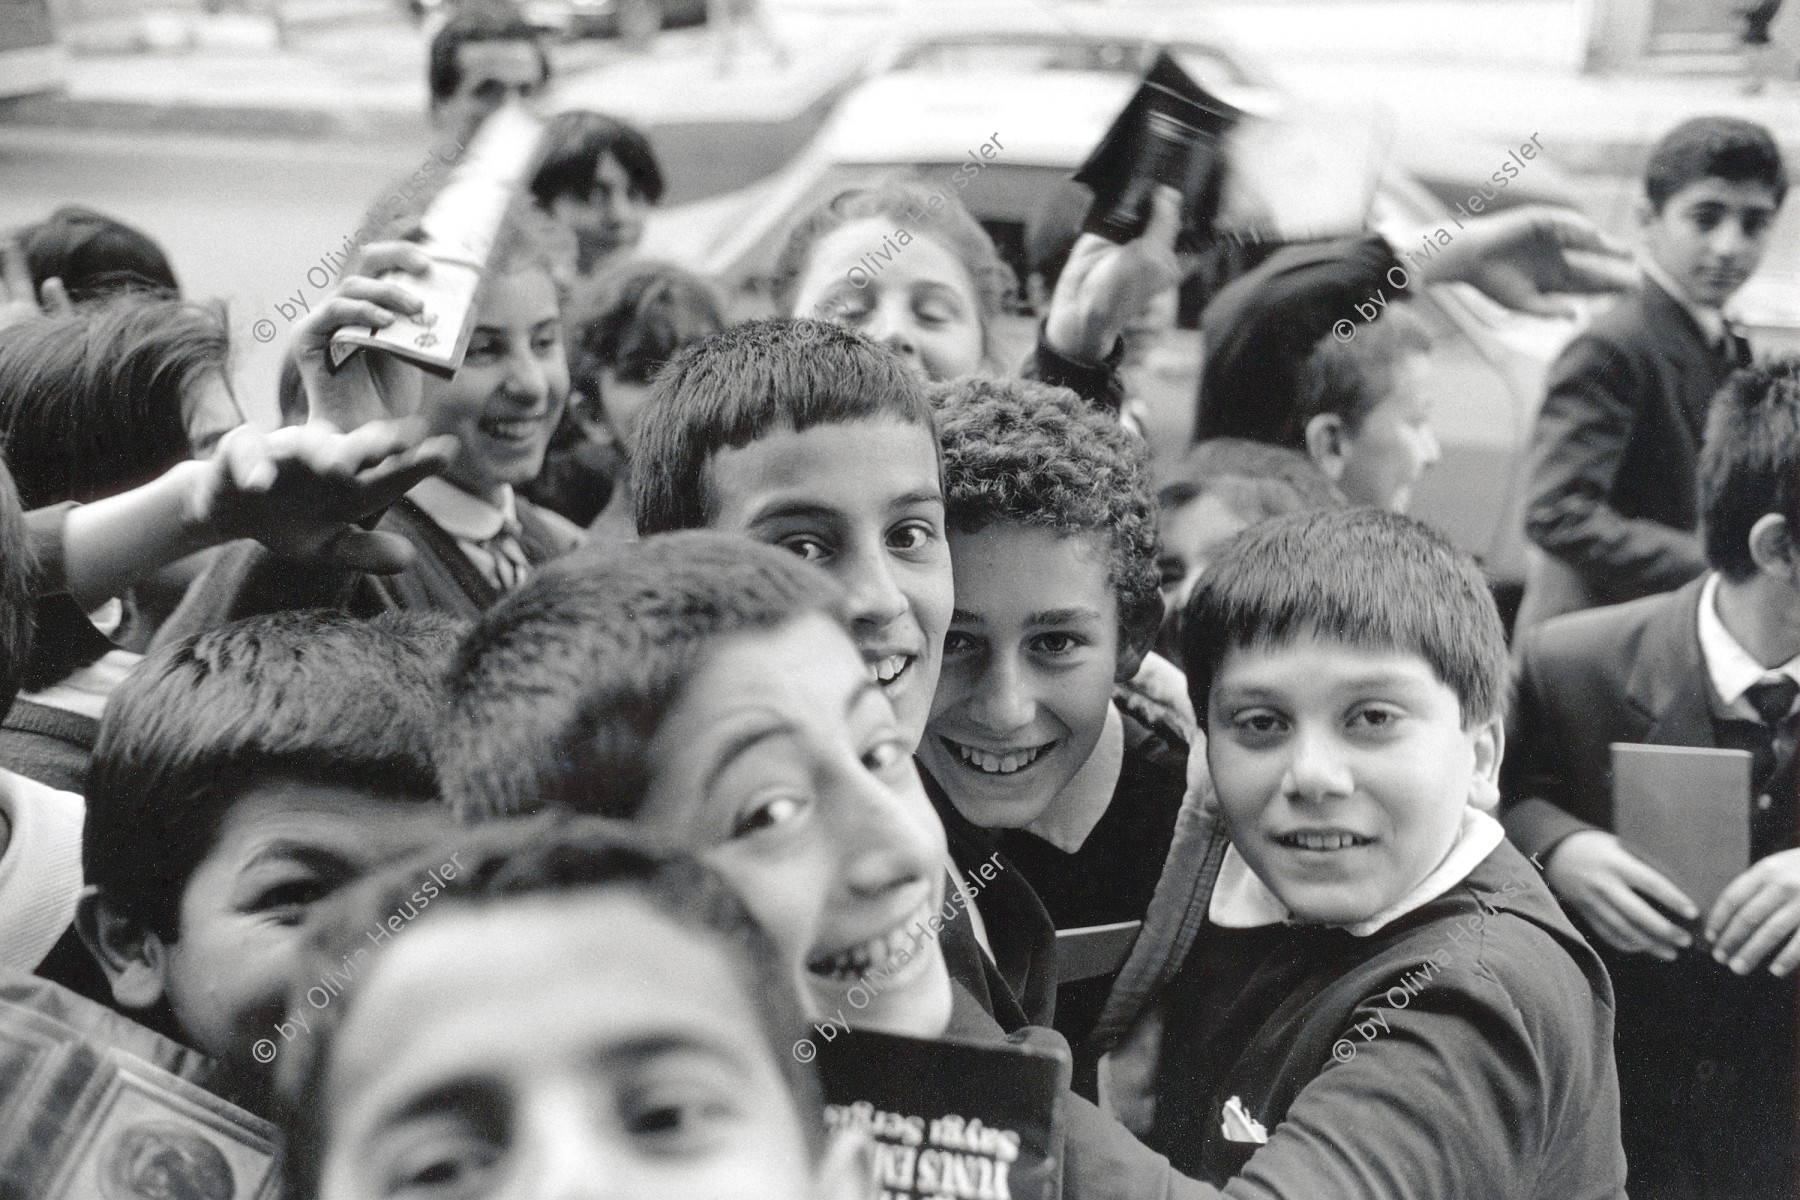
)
(1612, 496)
(1706, 1059)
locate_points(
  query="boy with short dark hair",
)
(657, 996)
(1706, 1030)
(807, 436)
(1053, 541)
(1383, 1000)
(708, 687)
(1612, 500)
(240, 777)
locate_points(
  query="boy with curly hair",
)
(1052, 529)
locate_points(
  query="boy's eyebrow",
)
(1064, 616)
(924, 495)
(308, 854)
(740, 742)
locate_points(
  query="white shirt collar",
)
(465, 517)
(1730, 667)
(1241, 900)
(1084, 799)
(1710, 320)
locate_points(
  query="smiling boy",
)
(1612, 501)
(1053, 542)
(239, 778)
(1384, 999)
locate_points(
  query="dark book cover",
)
(950, 1119)
(91, 1108)
(1169, 133)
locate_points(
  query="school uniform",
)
(1455, 1045)
(1612, 502)
(1706, 1059)
(468, 553)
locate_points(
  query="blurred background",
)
(249, 137)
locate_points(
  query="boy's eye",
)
(444, 1162)
(883, 755)
(1055, 643)
(678, 1119)
(914, 535)
(1376, 719)
(544, 343)
(1756, 222)
(768, 814)
(957, 643)
(289, 900)
(1257, 723)
(484, 348)
(806, 546)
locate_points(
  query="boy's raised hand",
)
(1524, 258)
(368, 386)
(1104, 285)
(299, 490)
(1758, 912)
(1606, 883)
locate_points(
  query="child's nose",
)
(573, 1158)
(885, 843)
(1316, 770)
(1003, 702)
(875, 596)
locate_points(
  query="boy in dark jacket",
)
(1382, 999)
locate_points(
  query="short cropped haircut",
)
(1253, 479)
(1370, 578)
(559, 689)
(508, 865)
(743, 384)
(573, 147)
(1351, 378)
(907, 204)
(1750, 463)
(1029, 454)
(444, 68)
(17, 567)
(91, 400)
(313, 696)
(1727, 148)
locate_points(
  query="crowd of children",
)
(488, 853)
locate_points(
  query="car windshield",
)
(1109, 56)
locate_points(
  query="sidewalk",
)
(360, 73)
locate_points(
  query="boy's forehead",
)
(1309, 661)
(1748, 194)
(878, 462)
(608, 978)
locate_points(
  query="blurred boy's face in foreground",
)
(782, 765)
(1028, 671)
(283, 847)
(1710, 236)
(504, 402)
(557, 1047)
(862, 500)
(1342, 772)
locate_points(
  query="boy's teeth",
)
(873, 955)
(1325, 841)
(889, 668)
(998, 764)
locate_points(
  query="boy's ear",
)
(1773, 548)
(846, 1170)
(1490, 748)
(134, 958)
(1327, 440)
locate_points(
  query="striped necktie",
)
(506, 556)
